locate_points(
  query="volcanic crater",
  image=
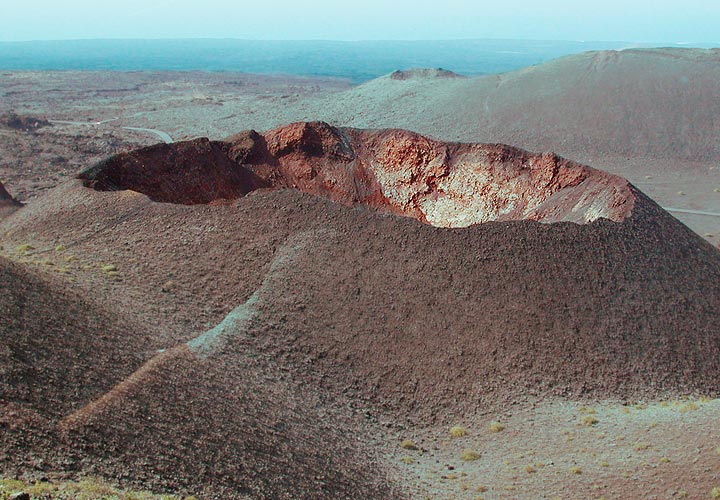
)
(395, 171)
(545, 241)
(524, 217)
(302, 311)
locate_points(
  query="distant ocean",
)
(357, 61)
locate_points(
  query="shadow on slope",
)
(8, 204)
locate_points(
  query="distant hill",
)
(659, 103)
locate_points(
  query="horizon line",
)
(372, 40)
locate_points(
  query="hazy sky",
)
(606, 20)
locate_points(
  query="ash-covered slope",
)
(648, 103)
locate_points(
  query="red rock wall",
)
(396, 171)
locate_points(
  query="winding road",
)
(693, 212)
(164, 136)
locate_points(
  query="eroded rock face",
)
(396, 171)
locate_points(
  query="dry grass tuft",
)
(688, 407)
(589, 420)
(24, 248)
(496, 427)
(469, 455)
(408, 444)
(457, 431)
(85, 489)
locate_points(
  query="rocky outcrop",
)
(416, 73)
(23, 123)
(5, 196)
(8, 204)
(395, 171)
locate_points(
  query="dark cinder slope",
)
(432, 324)
(58, 350)
(226, 424)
